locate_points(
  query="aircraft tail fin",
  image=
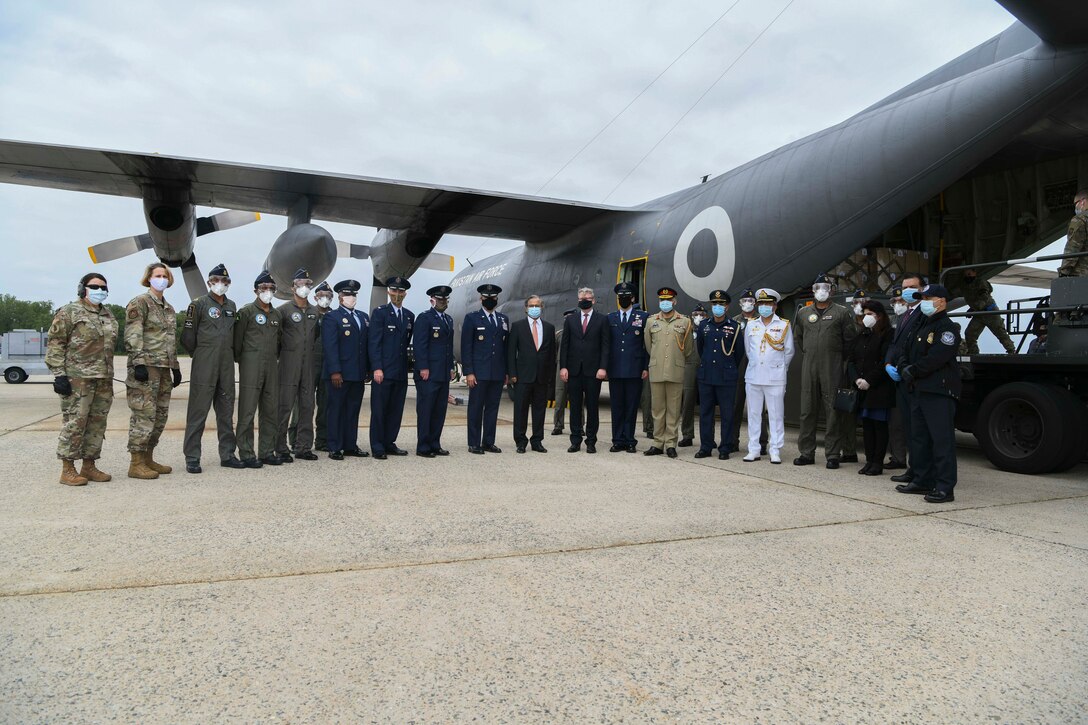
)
(1058, 22)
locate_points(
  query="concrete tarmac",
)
(529, 588)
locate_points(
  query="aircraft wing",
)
(1022, 275)
(383, 203)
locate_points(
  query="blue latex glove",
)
(990, 307)
(892, 372)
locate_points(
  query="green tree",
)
(18, 314)
(118, 313)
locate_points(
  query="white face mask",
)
(302, 291)
(747, 305)
(265, 297)
(219, 288)
(869, 321)
(899, 308)
(159, 283)
(323, 301)
(696, 319)
(822, 294)
(857, 309)
(348, 301)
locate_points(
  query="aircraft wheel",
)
(1024, 428)
(14, 375)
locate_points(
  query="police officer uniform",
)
(739, 408)
(390, 332)
(321, 439)
(823, 335)
(718, 342)
(627, 367)
(256, 348)
(298, 335)
(483, 355)
(432, 346)
(344, 341)
(769, 346)
(690, 400)
(669, 344)
(927, 365)
(208, 336)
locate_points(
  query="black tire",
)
(14, 375)
(1022, 428)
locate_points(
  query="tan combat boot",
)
(68, 475)
(138, 468)
(91, 472)
(156, 467)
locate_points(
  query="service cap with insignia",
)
(398, 283)
(720, 295)
(699, 308)
(323, 287)
(347, 286)
(822, 279)
(219, 270)
(300, 273)
(265, 277)
(489, 290)
(766, 294)
(897, 293)
(748, 294)
(666, 293)
(860, 295)
(624, 288)
(441, 291)
(936, 290)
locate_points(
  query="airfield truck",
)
(22, 353)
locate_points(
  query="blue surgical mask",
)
(534, 312)
(97, 296)
(665, 305)
(718, 310)
(928, 308)
(766, 310)
(910, 294)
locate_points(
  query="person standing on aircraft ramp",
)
(670, 343)
(257, 349)
(769, 346)
(390, 332)
(483, 357)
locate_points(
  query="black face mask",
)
(490, 303)
(585, 304)
(625, 300)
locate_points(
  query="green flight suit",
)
(257, 348)
(823, 336)
(208, 336)
(321, 391)
(298, 332)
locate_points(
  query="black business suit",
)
(534, 371)
(583, 354)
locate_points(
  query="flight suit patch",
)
(829, 317)
(215, 313)
(948, 338)
(813, 318)
(296, 317)
(229, 313)
(260, 319)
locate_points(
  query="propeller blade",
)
(117, 248)
(438, 262)
(194, 280)
(348, 250)
(225, 220)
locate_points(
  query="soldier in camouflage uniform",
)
(151, 343)
(978, 294)
(323, 296)
(1076, 239)
(80, 356)
(257, 348)
(299, 321)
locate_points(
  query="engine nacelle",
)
(400, 252)
(305, 246)
(171, 222)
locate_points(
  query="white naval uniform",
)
(765, 381)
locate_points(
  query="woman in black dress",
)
(865, 366)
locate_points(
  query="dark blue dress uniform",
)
(627, 362)
(432, 345)
(927, 364)
(483, 354)
(721, 352)
(344, 345)
(389, 336)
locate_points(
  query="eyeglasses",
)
(97, 286)
(266, 288)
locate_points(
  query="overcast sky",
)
(485, 94)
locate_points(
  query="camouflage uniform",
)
(978, 295)
(208, 335)
(151, 341)
(1077, 242)
(81, 341)
(256, 348)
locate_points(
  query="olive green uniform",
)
(670, 344)
(321, 393)
(823, 336)
(1077, 241)
(256, 348)
(151, 341)
(208, 335)
(978, 294)
(81, 341)
(298, 332)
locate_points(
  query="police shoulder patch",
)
(948, 337)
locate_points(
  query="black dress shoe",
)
(723, 456)
(911, 488)
(306, 456)
(670, 452)
(832, 463)
(285, 458)
(574, 448)
(476, 449)
(894, 465)
(803, 460)
(557, 431)
(905, 477)
(425, 454)
(193, 468)
(232, 462)
(272, 460)
(633, 448)
(652, 451)
(380, 457)
(591, 447)
(336, 455)
(357, 452)
(394, 451)
(617, 449)
(539, 448)
(875, 471)
(492, 448)
(441, 452)
(252, 463)
(685, 443)
(520, 449)
(940, 497)
(864, 469)
(702, 454)
(853, 458)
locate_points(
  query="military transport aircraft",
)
(975, 161)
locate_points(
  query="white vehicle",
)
(22, 354)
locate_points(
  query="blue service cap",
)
(936, 290)
(398, 283)
(347, 286)
(489, 290)
(442, 291)
(624, 288)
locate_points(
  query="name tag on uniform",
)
(829, 317)
(228, 313)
